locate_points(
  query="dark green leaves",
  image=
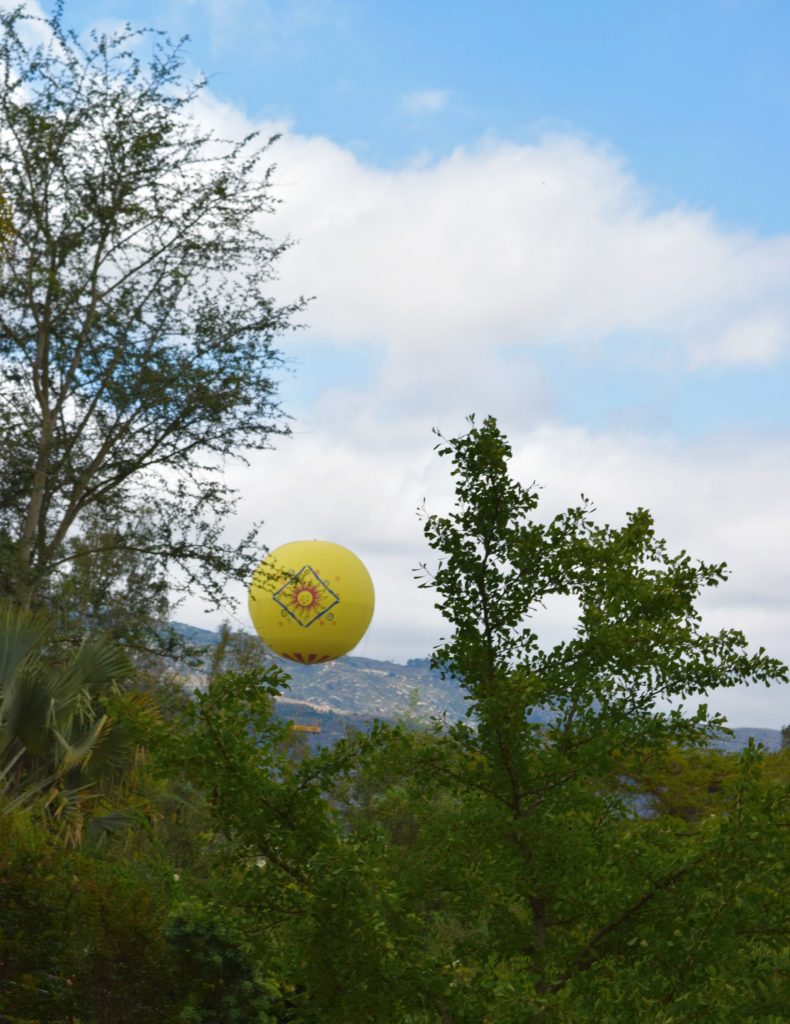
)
(638, 638)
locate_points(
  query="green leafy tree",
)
(602, 896)
(312, 903)
(136, 324)
(112, 589)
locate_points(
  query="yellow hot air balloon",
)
(311, 601)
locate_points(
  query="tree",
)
(603, 894)
(136, 329)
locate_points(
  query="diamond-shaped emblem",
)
(305, 596)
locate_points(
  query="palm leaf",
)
(93, 668)
(102, 755)
(67, 807)
(77, 752)
(27, 715)
(58, 744)
(101, 827)
(14, 754)
(34, 785)
(21, 633)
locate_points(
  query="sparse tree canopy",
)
(137, 325)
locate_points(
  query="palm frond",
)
(100, 828)
(31, 788)
(110, 756)
(60, 749)
(21, 633)
(77, 752)
(27, 715)
(93, 668)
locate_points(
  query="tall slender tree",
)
(137, 325)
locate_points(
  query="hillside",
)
(352, 691)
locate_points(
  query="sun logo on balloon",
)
(305, 596)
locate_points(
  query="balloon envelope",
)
(311, 600)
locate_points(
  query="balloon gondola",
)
(304, 727)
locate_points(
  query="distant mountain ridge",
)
(352, 691)
(361, 686)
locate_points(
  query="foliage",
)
(222, 980)
(111, 589)
(60, 746)
(383, 880)
(595, 881)
(81, 934)
(136, 332)
(637, 640)
(601, 864)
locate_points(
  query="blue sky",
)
(696, 95)
(573, 215)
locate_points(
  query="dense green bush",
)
(81, 932)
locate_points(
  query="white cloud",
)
(760, 338)
(521, 245)
(425, 101)
(454, 272)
